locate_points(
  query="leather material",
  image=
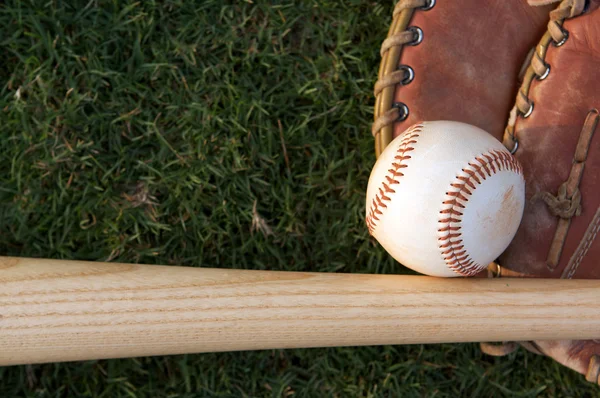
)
(465, 68)
(581, 356)
(548, 142)
(559, 148)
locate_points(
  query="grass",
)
(213, 133)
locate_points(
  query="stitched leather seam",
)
(392, 178)
(590, 236)
(451, 243)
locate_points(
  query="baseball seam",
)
(450, 220)
(393, 176)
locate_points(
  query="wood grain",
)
(52, 311)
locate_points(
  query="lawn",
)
(221, 134)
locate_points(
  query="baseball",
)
(445, 198)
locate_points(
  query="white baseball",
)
(445, 198)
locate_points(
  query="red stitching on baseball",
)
(393, 176)
(451, 244)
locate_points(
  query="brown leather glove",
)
(553, 132)
(460, 60)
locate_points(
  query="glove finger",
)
(555, 125)
(581, 356)
(553, 131)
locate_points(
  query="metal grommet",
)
(417, 34)
(546, 73)
(403, 109)
(427, 6)
(528, 113)
(564, 39)
(512, 151)
(409, 74)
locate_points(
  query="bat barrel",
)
(54, 310)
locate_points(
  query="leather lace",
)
(537, 67)
(561, 205)
(395, 78)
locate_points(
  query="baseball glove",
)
(457, 60)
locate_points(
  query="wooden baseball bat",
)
(53, 311)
